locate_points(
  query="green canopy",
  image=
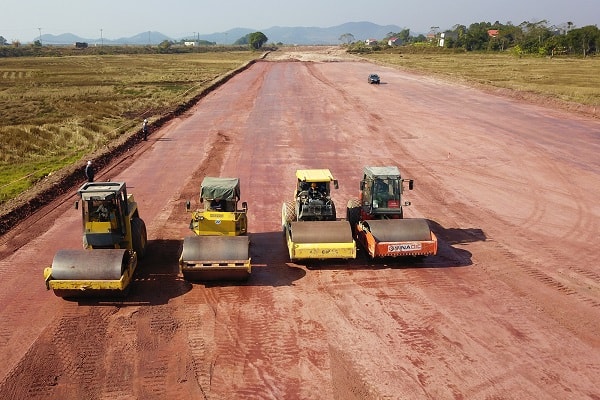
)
(220, 188)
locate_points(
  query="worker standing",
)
(89, 172)
(145, 129)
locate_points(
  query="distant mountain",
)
(149, 37)
(286, 35)
(309, 35)
(143, 38)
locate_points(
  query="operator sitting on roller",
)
(101, 213)
(314, 192)
(217, 204)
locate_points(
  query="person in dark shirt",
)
(217, 204)
(89, 172)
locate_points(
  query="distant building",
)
(493, 32)
(190, 44)
(394, 41)
(371, 42)
(81, 45)
(445, 36)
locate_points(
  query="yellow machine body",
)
(219, 249)
(114, 238)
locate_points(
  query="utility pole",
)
(101, 38)
(40, 29)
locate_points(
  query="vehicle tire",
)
(86, 245)
(139, 237)
(288, 214)
(353, 211)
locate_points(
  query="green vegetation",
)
(55, 110)
(255, 40)
(569, 79)
(526, 38)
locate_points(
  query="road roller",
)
(114, 238)
(309, 221)
(219, 248)
(377, 217)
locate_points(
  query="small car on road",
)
(373, 78)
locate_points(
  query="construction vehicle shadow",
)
(450, 254)
(156, 280)
(269, 256)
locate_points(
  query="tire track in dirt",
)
(119, 364)
(348, 358)
(192, 318)
(535, 271)
(69, 370)
(579, 223)
(156, 329)
(535, 268)
(79, 355)
(441, 336)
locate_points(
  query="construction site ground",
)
(509, 308)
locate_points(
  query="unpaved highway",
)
(508, 309)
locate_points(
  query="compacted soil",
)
(509, 308)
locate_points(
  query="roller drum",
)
(215, 248)
(321, 232)
(98, 264)
(400, 230)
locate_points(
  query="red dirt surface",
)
(509, 308)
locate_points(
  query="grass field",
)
(569, 79)
(55, 110)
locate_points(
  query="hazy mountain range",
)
(276, 34)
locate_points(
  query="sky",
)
(25, 20)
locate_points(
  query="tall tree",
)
(346, 38)
(257, 39)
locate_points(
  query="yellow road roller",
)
(114, 237)
(219, 248)
(309, 221)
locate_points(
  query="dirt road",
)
(509, 308)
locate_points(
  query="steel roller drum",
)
(321, 232)
(99, 264)
(215, 248)
(400, 230)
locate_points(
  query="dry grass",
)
(568, 79)
(55, 110)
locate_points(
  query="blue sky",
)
(24, 20)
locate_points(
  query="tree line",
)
(252, 41)
(525, 38)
